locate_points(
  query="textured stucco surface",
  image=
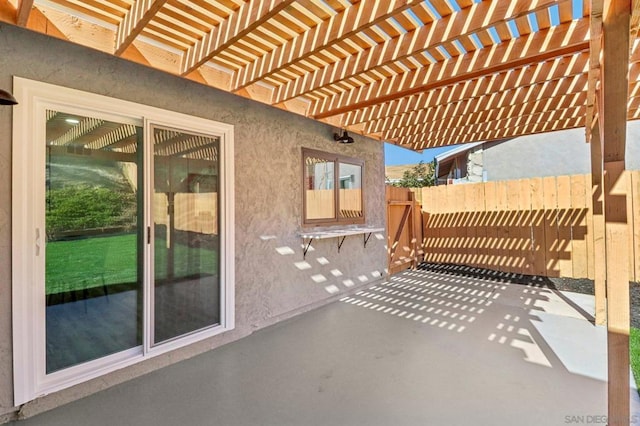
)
(550, 154)
(268, 141)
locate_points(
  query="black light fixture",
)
(345, 138)
(7, 98)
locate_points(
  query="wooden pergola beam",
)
(243, 21)
(595, 44)
(594, 137)
(541, 46)
(597, 200)
(140, 14)
(522, 114)
(352, 20)
(548, 121)
(466, 111)
(23, 12)
(472, 20)
(612, 112)
(554, 69)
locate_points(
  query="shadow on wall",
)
(535, 242)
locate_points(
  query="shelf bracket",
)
(306, 249)
(366, 238)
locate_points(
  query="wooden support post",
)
(613, 113)
(599, 254)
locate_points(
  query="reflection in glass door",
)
(93, 252)
(186, 243)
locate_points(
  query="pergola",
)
(417, 73)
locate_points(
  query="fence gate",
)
(404, 229)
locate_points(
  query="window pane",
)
(319, 188)
(350, 190)
(93, 275)
(186, 223)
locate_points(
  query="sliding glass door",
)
(186, 249)
(122, 235)
(93, 238)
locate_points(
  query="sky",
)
(395, 155)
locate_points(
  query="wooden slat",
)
(578, 222)
(473, 19)
(475, 232)
(595, 45)
(502, 230)
(513, 222)
(24, 11)
(590, 232)
(471, 89)
(247, 18)
(525, 101)
(140, 14)
(354, 19)
(538, 229)
(524, 205)
(472, 94)
(564, 246)
(518, 124)
(557, 41)
(551, 226)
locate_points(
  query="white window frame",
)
(28, 224)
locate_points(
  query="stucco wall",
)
(550, 154)
(268, 196)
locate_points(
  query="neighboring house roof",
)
(455, 151)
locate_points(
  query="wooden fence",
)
(404, 229)
(540, 226)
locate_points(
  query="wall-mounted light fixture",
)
(345, 138)
(7, 98)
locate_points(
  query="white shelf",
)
(340, 233)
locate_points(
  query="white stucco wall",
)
(550, 154)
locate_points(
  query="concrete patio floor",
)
(438, 346)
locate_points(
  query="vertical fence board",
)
(526, 221)
(475, 215)
(635, 196)
(503, 230)
(401, 243)
(512, 219)
(551, 225)
(490, 246)
(418, 234)
(537, 232)
(629, 185)
(589, 223)
(563, 187)
(632, 219)
(578, 223)
(539, 226)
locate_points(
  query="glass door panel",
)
(186, 285)
(93, 251)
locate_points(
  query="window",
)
(122, 226)
(332, 189)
